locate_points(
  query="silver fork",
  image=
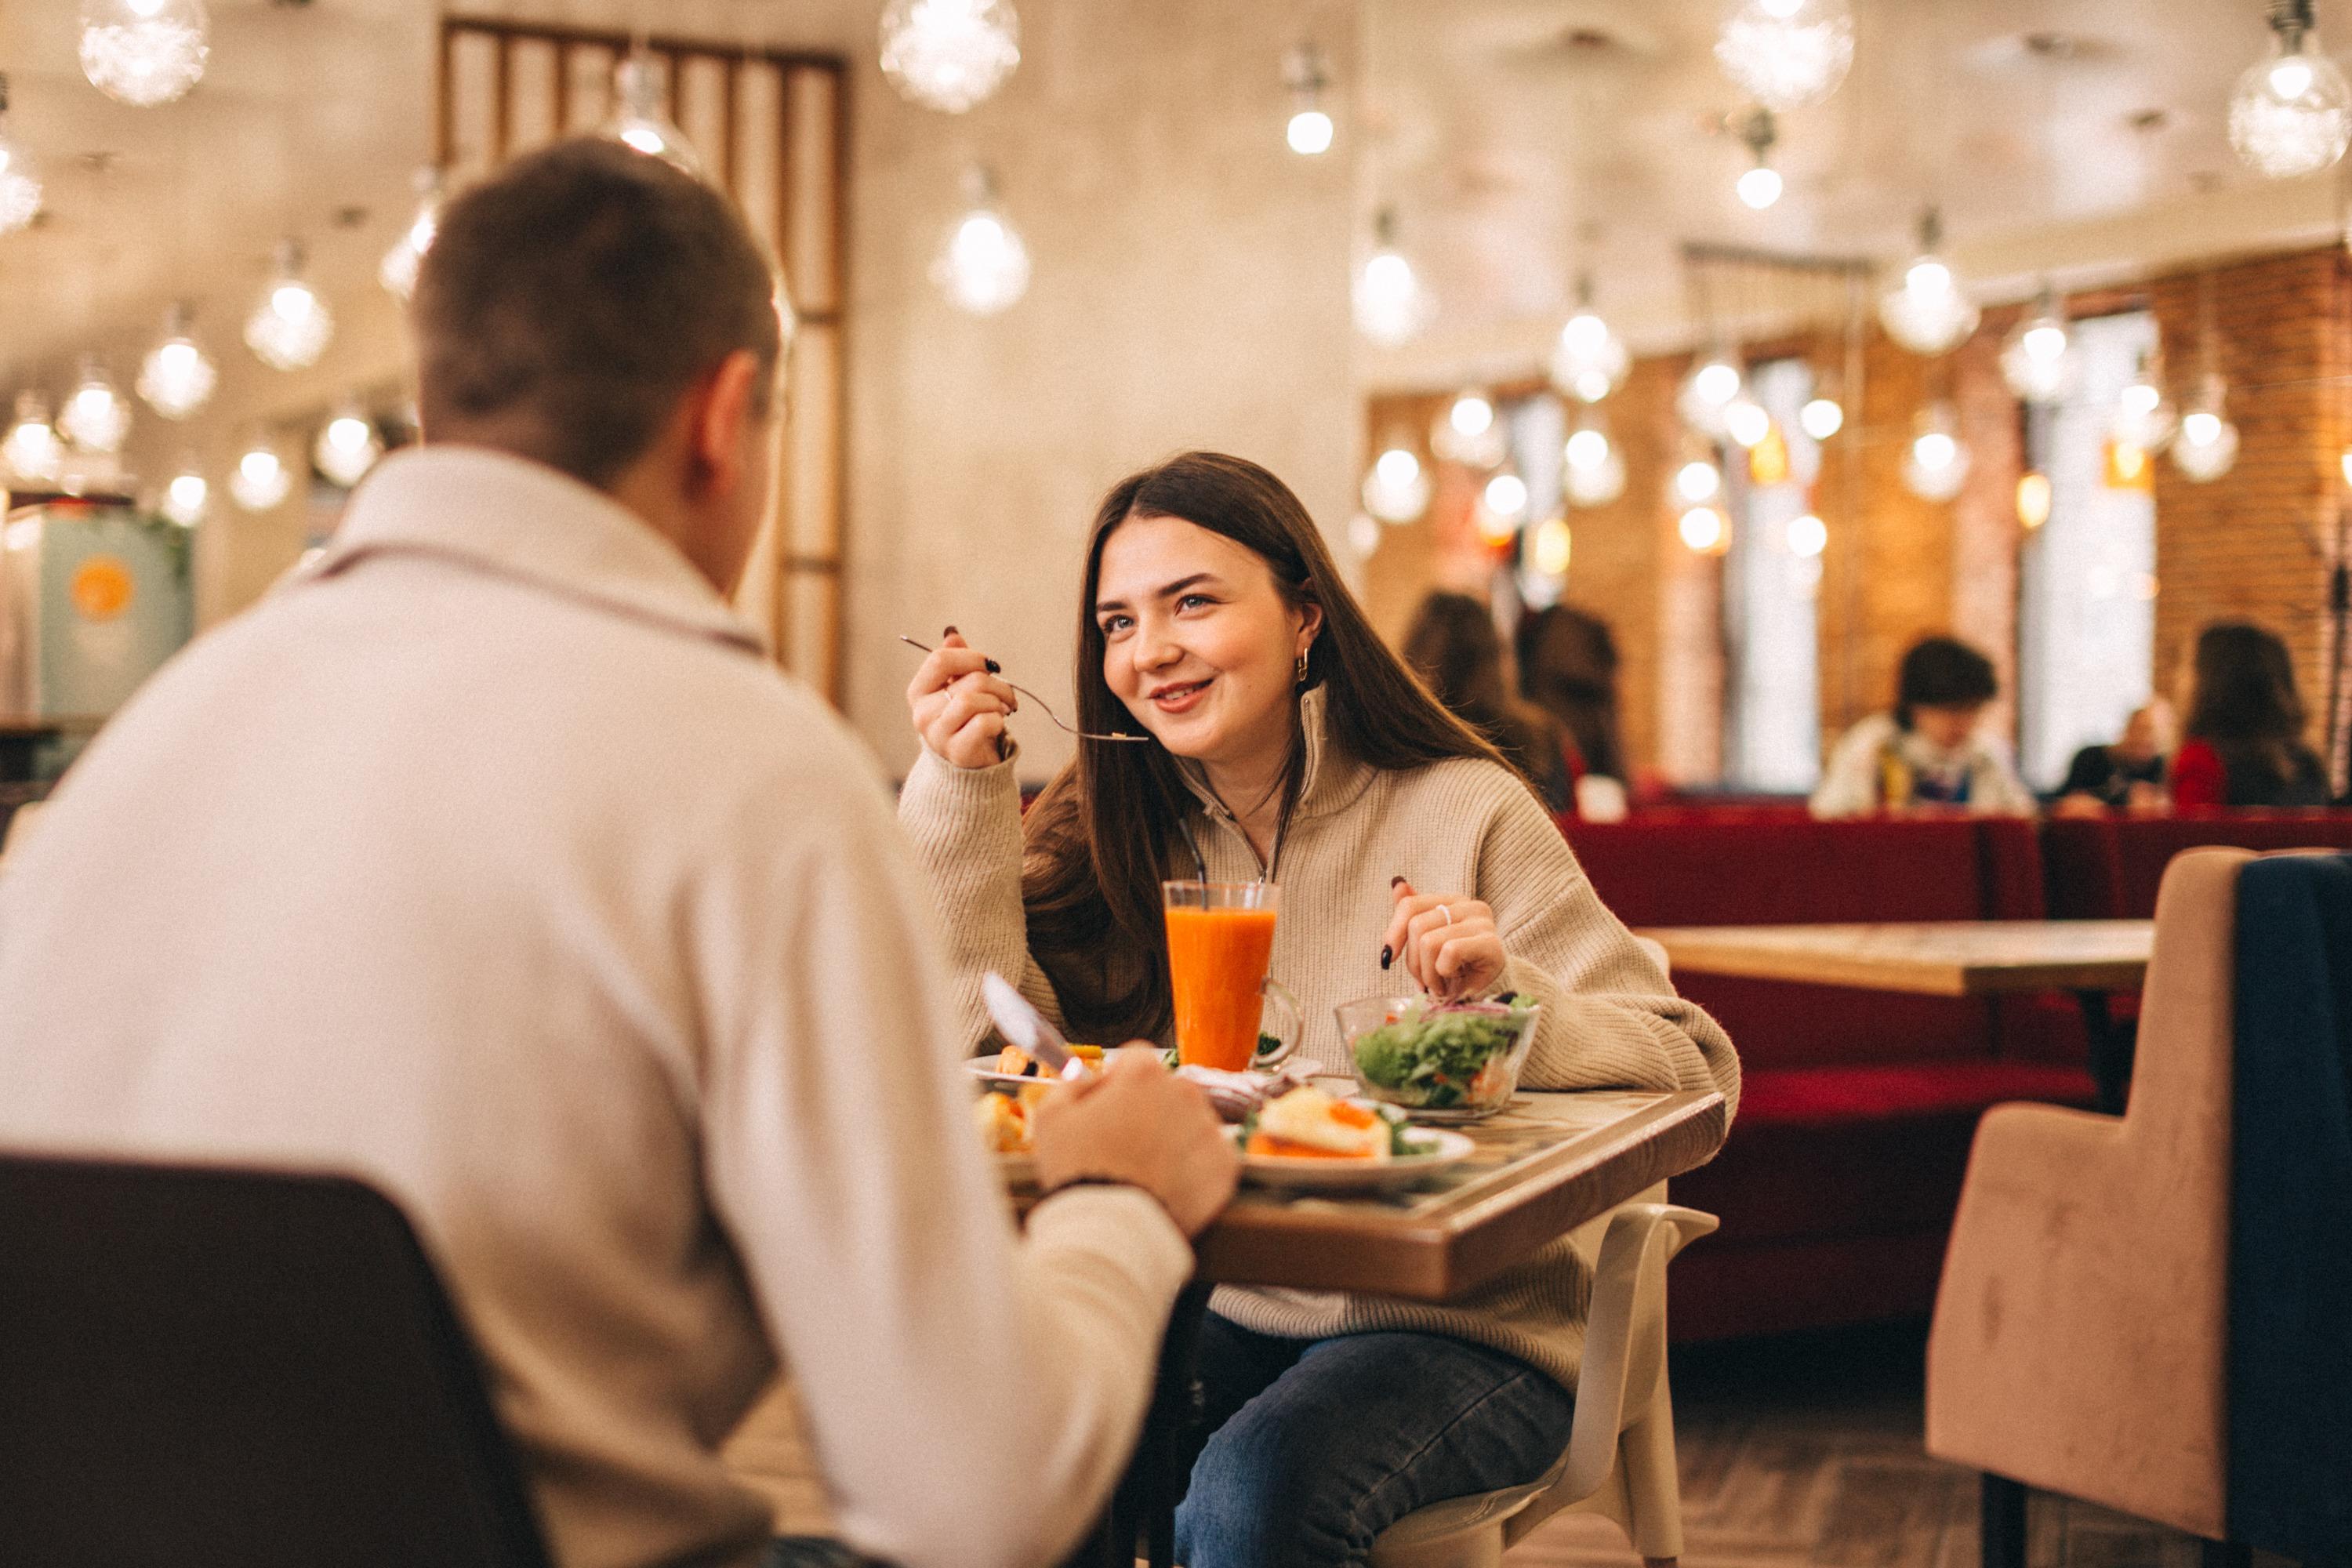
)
(1042, 708)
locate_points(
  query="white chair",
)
(1621, 1448)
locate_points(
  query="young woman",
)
(1926, 755)
(1287, 742)
(2243, 742)
(1454, 648)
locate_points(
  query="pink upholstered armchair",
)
(2080, 1340)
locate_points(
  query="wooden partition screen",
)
(771, 127)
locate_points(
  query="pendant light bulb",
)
(1822, 417)
(2035, 360)
(347, 445)
(949, 55)
(291, 325)
(1936, 464)
(177, 377)
(1469, 432)
(185, 496)
(31, 448)
(1707, 391)
(1759, 187)
(2291, 114)
(1398, 488)
(983, 265)
(20, 179)
(1588, 362)
(641, 113)
(1304, 71)
(262, 477)
(1927, 311)
(1389, 302)
(96, 417)
(1592, 471)
(144, 52)
(2145, 418)
(2206, 446)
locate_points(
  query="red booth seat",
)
(1839, 1181)
(2108, 868)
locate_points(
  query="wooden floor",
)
(1806, 1450)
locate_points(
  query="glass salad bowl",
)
(1441, 1061)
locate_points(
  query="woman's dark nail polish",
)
(950, 632)
(993, 668)
(1387, 957)
(1396, 881)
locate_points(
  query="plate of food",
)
(1309, 1141)
(1013, 1066)
(1005, 1126)
(1439, 1061)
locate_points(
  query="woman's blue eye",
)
(1113, 623)
(1193, 599)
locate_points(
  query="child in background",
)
(1926, 755)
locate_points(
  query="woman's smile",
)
(1180, 696)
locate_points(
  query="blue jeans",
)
(1312, 1447)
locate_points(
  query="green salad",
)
(1440, 1058)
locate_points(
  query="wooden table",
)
(1542, 1167)
(1944, 958)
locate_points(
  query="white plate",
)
(1439, 1150)
(985, 1068)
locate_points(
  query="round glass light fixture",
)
(1586, 448)
(1550, 546)
(1469, 432)
(2291, 114)
(397, 271)
(1506, 495)
(1822, 417)
(2033, 497)
(949, 55)
(1759, 187)
(96, 417)
(262, 477)
(20, 180)
(1397, 489)
(1745, 421)
(1703, 529)
(2145, 416)
(1787, 53)
(1304, 72)
(983, 265)
(31, 448)
(291, 325)
(1588, 362)
(1936, 464)
(185, 496)
(2034, 360)
(1706, 392)
(1595, 484)
(177, 376)
(641, 113)
(1698, 482)
(347, 445)
(2206, 445)
(1927, 311)
(1389, 302)
(1808, 535)
(144, 52)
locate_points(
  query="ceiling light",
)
(1397, 489)
(1592, 471)
(144, 52)
(185, 496)
(1936, 464)
(1706, 392)
(1759, 187)
(1787, 53)
(20, 181)
(1698, 482)
(1390, 303)
(2291, 114)
(1586, 448)
(1506, 495)
(96, 417)
(1822, 418)
(2034, 361)
(1927, 311)
(1745, 421)
(291, 325)
(949, 55)
(1808, 535)
(2144, 416)
(641, 113)
(1588, 362)
(177, 376)
(2033, 496)
(397, 271)
(982, 267)
(1303, 71)
(2207, 444)
(1469, 432)
(1703, 529)
(1550, 546)
(347, 445)
(261, 479)
(31, 448)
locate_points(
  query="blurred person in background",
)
(2244, 731)
(1927, 755)
(1454, 648)
(1567, 667)
(2127, 774)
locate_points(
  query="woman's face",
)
(1198, 642)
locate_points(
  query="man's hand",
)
(1137, 1122)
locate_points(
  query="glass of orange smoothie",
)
(1220, 942)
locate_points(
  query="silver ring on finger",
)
(1445, 913)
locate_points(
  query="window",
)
(2086, 584)
(1771, 722)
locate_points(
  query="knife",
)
(1026, 1027)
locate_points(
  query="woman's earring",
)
(1298, 671)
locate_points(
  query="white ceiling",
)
(1503, 129)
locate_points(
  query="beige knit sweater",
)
(1611, 1018)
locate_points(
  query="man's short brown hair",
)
(571, 301)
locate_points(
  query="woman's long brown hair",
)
(1105, 832)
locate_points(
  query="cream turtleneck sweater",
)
(1610, 1019)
